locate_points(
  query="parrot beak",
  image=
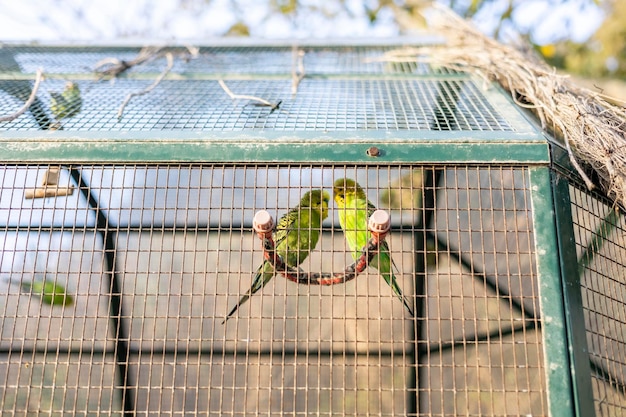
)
(324, 209)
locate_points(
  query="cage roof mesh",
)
(343, 90)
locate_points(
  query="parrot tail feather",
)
(243, 300)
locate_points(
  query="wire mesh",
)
(154, 257)
(216, 60)
(600, 234)
(321, 105)
(343, 91)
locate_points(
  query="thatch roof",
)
(592, 130)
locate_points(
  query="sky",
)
(102, 20)
(166, 19)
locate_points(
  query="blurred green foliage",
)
(603, 55)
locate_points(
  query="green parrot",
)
(67, 103)
(354, 213)
(50, 292)
(295, 236)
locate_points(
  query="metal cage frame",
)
(569, 369)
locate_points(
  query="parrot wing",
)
(383, 262)
(265, 271)
(296, 233)
(355, 217)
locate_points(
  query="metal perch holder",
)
(379, 225)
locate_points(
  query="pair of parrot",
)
(298, 231)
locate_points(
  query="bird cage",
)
(130, 185)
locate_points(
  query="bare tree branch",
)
(260, 100)
(28, 102)
(297, 72)
(112, 67)
(170, 63)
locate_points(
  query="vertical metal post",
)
(116, 308)
(432, 178)
(557, 365)
(574, 317)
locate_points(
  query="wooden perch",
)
(49, 186)
(379, 225)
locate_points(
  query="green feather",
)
(296, 234)
(354, 212)
(49, 292)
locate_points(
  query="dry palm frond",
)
(592, 129)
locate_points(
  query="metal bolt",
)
(373, 151)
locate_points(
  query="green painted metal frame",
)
(296, 151)
(554, 329)
(575, 320)
(566, 358)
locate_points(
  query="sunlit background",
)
(181, 249)
(88, 20)
(581, 37)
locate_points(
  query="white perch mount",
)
(263, 222)
(379, 223)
